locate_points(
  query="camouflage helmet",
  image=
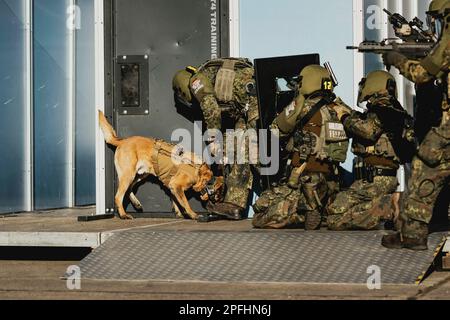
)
(439, 8)
(181, 86)
(380, 83)
(314, 78)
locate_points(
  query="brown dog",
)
(137, 157)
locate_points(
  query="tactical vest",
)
(224, 82)
(333, 142)
(381, 150)
(324, 138)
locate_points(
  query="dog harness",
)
(162, 158)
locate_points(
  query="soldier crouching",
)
(381, 141)
(317, 143)
(224, 88)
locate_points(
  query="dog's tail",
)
(108, 131)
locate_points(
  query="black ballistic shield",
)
(273, 98)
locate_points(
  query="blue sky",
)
(289, 27)
(271, 28)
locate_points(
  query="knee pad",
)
(333, 209)
(426, 189)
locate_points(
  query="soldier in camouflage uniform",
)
(378, 142)
(431, 168)
(317, 143)
(225, 89)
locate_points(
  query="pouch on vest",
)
(240, 63)
(384, 148)
(335, 132)
(334, 143)
(337, 141)
(225, 81)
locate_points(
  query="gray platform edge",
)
(53, 239)
(175, 257)
(91, 240)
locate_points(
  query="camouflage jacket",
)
(243, 105)
(376, 132)
(309, 143)
(287, 121)
(434, 67)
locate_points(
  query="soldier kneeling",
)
(382, 140)
(317, 143)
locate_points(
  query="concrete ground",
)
(42, 279)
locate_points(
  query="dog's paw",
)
(180, 216)
(127, 217)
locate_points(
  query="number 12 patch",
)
(327, 84)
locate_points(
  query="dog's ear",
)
(204, 176)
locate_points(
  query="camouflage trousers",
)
(430, 173)
(355, 209)
(286, 207)
(240, 180)
(239, 184)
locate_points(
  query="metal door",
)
(154, 39)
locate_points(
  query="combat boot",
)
(395, 241)
(313, 220)
(228, 210)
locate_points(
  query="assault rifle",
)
(412, 50)
(413, 41)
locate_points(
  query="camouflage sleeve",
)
(253, 113)
(245, 98)
(365, 126)
(414, 71)
(341, 108)
(275, 128)
(203, 91)
(287, 120)
(430, 67)
(211, 112)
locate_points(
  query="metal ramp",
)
(256, 256)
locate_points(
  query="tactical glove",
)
(393, 58)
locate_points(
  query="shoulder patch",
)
(290, 109)
(197, 85)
